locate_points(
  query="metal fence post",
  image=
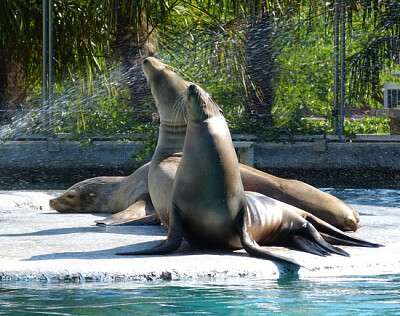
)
(45, 57)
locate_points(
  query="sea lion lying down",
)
(131, 194)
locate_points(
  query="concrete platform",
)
(37, 243)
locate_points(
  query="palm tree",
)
(89, 35)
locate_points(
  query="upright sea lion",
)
(209, 205)
(168, 88)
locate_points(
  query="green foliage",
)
(103, 108)
(304, 82)
(204, 40)
(368, 125)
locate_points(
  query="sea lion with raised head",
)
(127, 197)
(167, 88)
(209, 205)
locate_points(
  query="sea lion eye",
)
(92, 194)
(70, 196)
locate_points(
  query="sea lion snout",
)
(61, 207)
(192, 89)
(52, 204)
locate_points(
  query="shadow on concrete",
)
(92, 255)
(185, 250)
(131, 230)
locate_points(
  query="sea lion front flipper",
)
(172, 242)
(251, 246)
(139, 213)
(153, 219)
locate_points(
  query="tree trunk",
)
(3, 84)
(132, 53)
(259, 59)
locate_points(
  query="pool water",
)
(357, 295)
(376, 197)
(292, 296)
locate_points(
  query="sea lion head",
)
(200, 104)
(167, 89)
(87, 196)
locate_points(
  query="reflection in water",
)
(350, 296)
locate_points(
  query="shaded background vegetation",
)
(269, 64)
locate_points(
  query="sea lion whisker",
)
(179, 108)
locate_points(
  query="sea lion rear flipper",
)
(311, 241)
(251, 246)
(312, 247)
(172, 242)
(348, 242)
(309, 246)
(334, 235)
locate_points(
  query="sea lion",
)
(209, 205)
(303, 196)
(128, 197)
(278, 223)
(167, 88)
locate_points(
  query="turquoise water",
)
(379, 295)
(376, 197)
(372, 295)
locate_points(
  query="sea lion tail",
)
(251, 246)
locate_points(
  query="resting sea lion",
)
(209, 205)
(128, 197)
(278, 223)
